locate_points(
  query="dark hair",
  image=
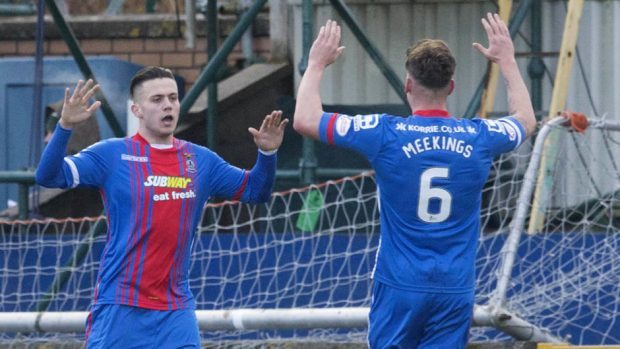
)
(431, 63)
(146, 74)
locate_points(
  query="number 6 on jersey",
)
(427, 193)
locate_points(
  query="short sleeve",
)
(502, 135)
(362, 133)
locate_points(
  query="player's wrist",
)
(268, 152)
(64, 124)
(507, 61)
(317, 66)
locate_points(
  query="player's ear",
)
(135, 109)
(451, 86)
(408, 84)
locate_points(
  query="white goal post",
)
(261, 319)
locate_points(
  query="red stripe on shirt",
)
(435, 113)
(138, 241)
(107, 244)
(330, 128)
(240, 191)
(181, 253)
(162, 242)
(187, 226)
(178, 299)
(189, 217)
(173, 291)
(124, 285)
(89, 326)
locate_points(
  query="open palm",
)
(269, 136)
(76, 106)
(501, 46)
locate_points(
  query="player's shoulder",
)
(359, 122)
(192, 149)
(493, 124)
(492, 121)
(509, 121)
(187, 146)
(108, 144)
(505, 126)
(384, 117)
(370, 120)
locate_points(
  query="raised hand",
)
(76, 106)
(501, 51)
(500, 47)
(271, 132)
(326, 48)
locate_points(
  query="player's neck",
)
(427, 106)
(423, 99)
(155, 139)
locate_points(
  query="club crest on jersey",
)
(343, 123)
(189, 163)
(364, 122)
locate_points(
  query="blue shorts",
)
(406, 319)
(123, 326)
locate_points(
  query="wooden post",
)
(488, 95)
(558, 102)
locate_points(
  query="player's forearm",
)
(261, 179)
(50, 172)
(519, 100)
(308, 109)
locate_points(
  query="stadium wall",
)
(153, 39)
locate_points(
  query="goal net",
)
(566, 272)
(313, 248)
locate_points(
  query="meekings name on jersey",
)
(440, 142)
(170, 182)
(421, 145)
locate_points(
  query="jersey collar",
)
(432, 113)
(137, 137)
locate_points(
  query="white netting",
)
(315, 247)
(566, 277)
(288, 258)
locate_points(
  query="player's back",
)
(430, 175)
(430, 170)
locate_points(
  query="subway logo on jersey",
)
(167, 182)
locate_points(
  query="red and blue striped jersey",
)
(430, 169)
(153, 200)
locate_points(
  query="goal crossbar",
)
(265, 319)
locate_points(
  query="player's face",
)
(156, 104)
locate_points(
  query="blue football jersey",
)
(430, 169)
(153, 199)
